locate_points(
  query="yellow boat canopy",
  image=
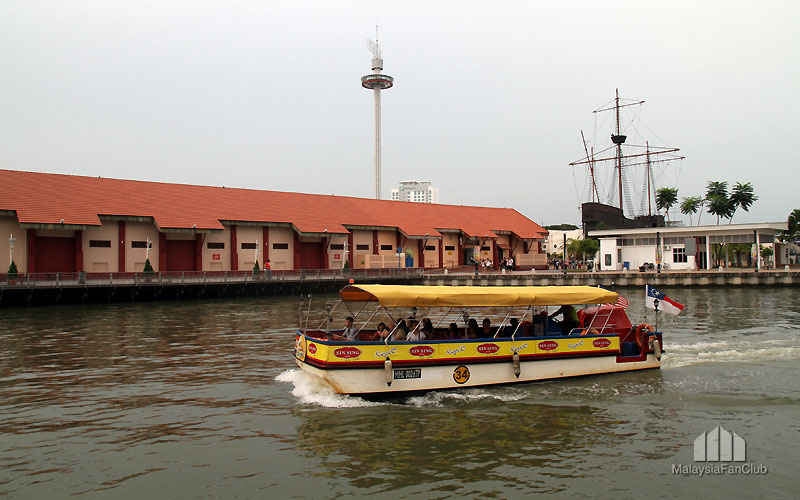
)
(476, 296)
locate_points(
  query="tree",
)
(665, 199)
(590, 246)
(690, 205)
(12, 271)
(715, 188)
(720, 206)
(742, 196)
(793, 231)
(148, 268)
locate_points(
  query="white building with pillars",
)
(681, 247)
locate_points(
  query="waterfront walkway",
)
(59, 288)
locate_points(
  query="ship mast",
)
(649, 178)
(591, 169)
(619, 140)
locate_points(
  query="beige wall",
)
(217, 259)
(362, 257)
(100, 259)
(281, 259)
(333, 262)
(450, 257)
(134, 257)
(249, 234)
(9, 226)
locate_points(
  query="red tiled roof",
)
(39, 198)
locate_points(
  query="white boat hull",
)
(373, 380)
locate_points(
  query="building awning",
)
(503, 247)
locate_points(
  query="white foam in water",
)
(741, 353)
(310, 391)
(437, 398)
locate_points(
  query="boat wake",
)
(729, 350)
(312, 392)
(441, 398)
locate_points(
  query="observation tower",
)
(377, 82)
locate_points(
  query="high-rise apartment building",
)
(416, 191)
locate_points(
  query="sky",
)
(488, 103)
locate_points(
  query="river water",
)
(203, 400)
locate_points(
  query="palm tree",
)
(793, 221)
(665, 198)
(690, 205)
(742, 196)
(715, 188)
(720, 206)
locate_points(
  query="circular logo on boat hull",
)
(312, 348)
(461, 374)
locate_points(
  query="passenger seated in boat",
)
(569, 318)
(472, 329)
(400, 331)
(349, 331)
(383, 332)
(427, 329)
(452, 332)
(511, 328)
(486, 331)
(416, 334)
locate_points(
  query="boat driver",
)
(569, 318)
(349, 332)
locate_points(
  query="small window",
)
(449, 248)
(430, 247)
(280, 246)
(139, 244)
(485, 249)
(679, 255)
(608, 260)
(248, 246)
(387, 247)
(337, 246)
(215, 245)
(100, 243)
(362, 247)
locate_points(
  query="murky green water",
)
(202, 400)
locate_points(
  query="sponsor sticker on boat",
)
(421, 351)
(548, 345)
(601, 343)
(312, 348)
(488, 348)
(407, 373)
(347, 352)
(300, 347)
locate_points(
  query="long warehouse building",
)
(68, 223)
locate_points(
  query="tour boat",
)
(535, 349)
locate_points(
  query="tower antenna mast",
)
(377, 82)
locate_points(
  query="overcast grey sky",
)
(488, 103)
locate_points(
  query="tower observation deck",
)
(377, 82)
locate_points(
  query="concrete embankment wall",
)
(672, 278)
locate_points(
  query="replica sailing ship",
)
(618, 209)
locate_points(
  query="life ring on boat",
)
(641, 335)
(590, 331)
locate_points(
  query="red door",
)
(311, 255)
(180, 255)
(55, 255)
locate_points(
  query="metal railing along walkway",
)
(85, 279)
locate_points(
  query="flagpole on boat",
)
(655, 305)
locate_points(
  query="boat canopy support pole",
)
(514, 333)
(368, 320)
(443, 317)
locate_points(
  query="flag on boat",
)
(621, 301)
(665, 304)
